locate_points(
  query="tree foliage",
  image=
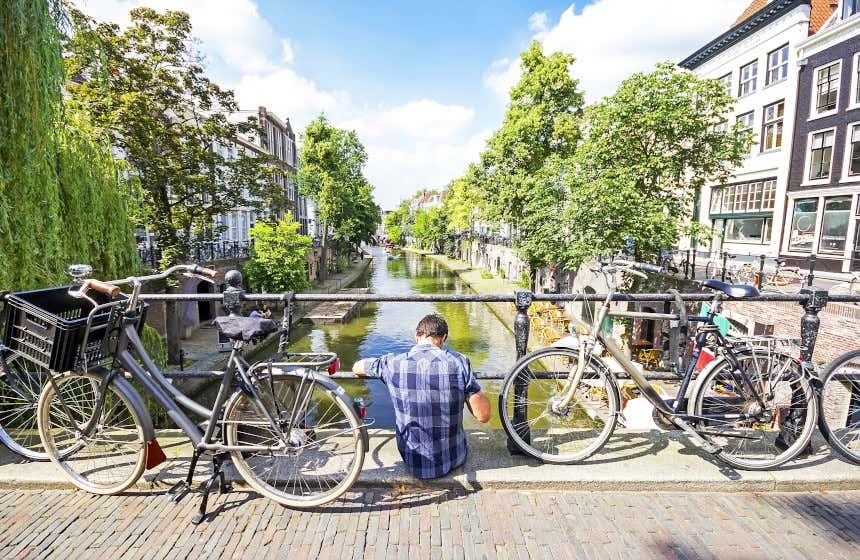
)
(430, 229)
(146, 90)
(648, 149)
(541, 128)
(61, 199)
(279, 258)
(331, 171)
(392, 226)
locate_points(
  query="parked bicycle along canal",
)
(384, 327)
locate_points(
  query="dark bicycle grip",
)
(648, 267)
(102, 287)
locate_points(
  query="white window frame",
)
(754, 78)
(854, 97)
(729, 85)
(807, 160)
(765, 123)
(813, 108)
(846, 156)
(819, 216)
(768, 69)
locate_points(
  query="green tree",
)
(145, 88)
(61, 199)
(649, 149)
(279, 259)
(542, 122)
(430, 229)
(331, 171)
(392, 225)
(463, 201)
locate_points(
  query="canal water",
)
(383, 327)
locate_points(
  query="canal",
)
(384, 327)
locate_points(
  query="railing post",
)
(761, 271)
(809, 323)
(523, 301)
(723, 272)
(233, 294)
(693, 264)
(811, 276)
(687, 266)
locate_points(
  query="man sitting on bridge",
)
(429, 385)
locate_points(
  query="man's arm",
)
(479, 406)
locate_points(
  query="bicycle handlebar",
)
(189, 268)
(639, 266)
(102, 287)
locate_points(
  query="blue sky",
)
(424, 83)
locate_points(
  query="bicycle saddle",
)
(245, 328)
(780, 262)
(731, 290)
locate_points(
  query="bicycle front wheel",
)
(840, 405)
(787, 281)
(759, 422)
(712, 270)
(21, 382)
(112, 455)
(315, 453)
(531, 405)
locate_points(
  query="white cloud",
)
(612, 39)
(420, 143)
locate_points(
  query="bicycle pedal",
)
(178, 491)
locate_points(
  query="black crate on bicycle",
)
(48, 327)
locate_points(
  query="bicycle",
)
(21, 382)
(734, 273)
(292, 434)
(561, 404)
(785, 279)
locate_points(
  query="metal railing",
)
(202, 252)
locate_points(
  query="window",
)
(722, 126)
(827, 87)
(772, 135)
(747, 120)
(748, 230)
(777, 65)
(749, 76)
(850, 7)
(757, 196)
(822, 150)
(854, 154)
(803, 225)
(726, 81)
(834, 224)
(768, 195)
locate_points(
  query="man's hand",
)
(358, 368)
(479, 406)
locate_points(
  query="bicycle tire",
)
(245, 425)
(712, 270)
(105, 462)
(591, 419)
(21, 384)
(719, 390)
(839, 421)
(787, 282)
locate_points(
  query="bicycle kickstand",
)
(223, 487)
(181, 488)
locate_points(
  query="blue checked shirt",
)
(429, 387)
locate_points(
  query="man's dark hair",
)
(432, 325)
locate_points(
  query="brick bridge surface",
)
(434, 523)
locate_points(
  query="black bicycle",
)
(291, 432)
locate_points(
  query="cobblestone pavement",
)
(434, 523)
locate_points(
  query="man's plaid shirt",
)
(429, 387)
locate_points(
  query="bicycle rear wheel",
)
(21, 382)
(787, 281)
(112, 456)
(316, 462)
(839, 419)
(544, 429)
(758, 427)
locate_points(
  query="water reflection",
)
(384, 327)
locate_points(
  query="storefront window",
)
(803, 225)
(834, 224)
(748, 230)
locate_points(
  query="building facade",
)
(823, 198)
(756, 61)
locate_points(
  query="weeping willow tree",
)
(61, 196)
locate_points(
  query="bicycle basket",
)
(48, 327)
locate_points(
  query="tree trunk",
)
(324, 254)
(533, 277)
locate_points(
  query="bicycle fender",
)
(137, 402)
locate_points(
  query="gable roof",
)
(820, 10)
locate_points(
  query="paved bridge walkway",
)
(435, 523)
